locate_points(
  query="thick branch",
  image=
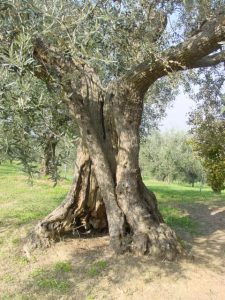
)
(210, 60)
(182, 57)
(52, 65)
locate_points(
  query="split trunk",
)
(108, 192)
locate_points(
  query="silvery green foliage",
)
(207, 123)
(169, 157)
(111, 36)
(30, 116)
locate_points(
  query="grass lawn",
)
(173, 196)
(21, 205)
(21, 202)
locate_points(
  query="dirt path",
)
(98, 274)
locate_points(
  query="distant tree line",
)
(168, 156)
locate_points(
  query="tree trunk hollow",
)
(108, 191)
(83, 210)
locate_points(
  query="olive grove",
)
(168, 156)
(102, 58)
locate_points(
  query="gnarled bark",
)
(83, 208)
(107, 171)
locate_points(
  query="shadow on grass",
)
(90, 268)
(210, 244)
(187, 210)
(208, 222)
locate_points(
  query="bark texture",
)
(108, 191)
(83, 208)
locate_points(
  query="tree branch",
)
(210, 60)
(192, 53)
(53, 66)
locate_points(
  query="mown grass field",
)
(22, 205)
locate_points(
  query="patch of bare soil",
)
(98, 274)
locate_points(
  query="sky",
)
(177, 114)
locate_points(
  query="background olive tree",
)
(168, 157)
(36, 129)
(208, 128)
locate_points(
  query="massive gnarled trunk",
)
(108, 190)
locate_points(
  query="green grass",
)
(21, 205)
(176, 219)
(171, 196)
(49, 279)
(180, 193)
(63, 266)
(97, 268)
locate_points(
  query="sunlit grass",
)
(181, 192)
(22, 205)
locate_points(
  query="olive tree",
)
(168, 156)
(102, 57)
(35, 128)
(208, 129)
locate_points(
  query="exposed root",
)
(160, 242)
(39, 238)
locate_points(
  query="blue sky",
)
(177, 114)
